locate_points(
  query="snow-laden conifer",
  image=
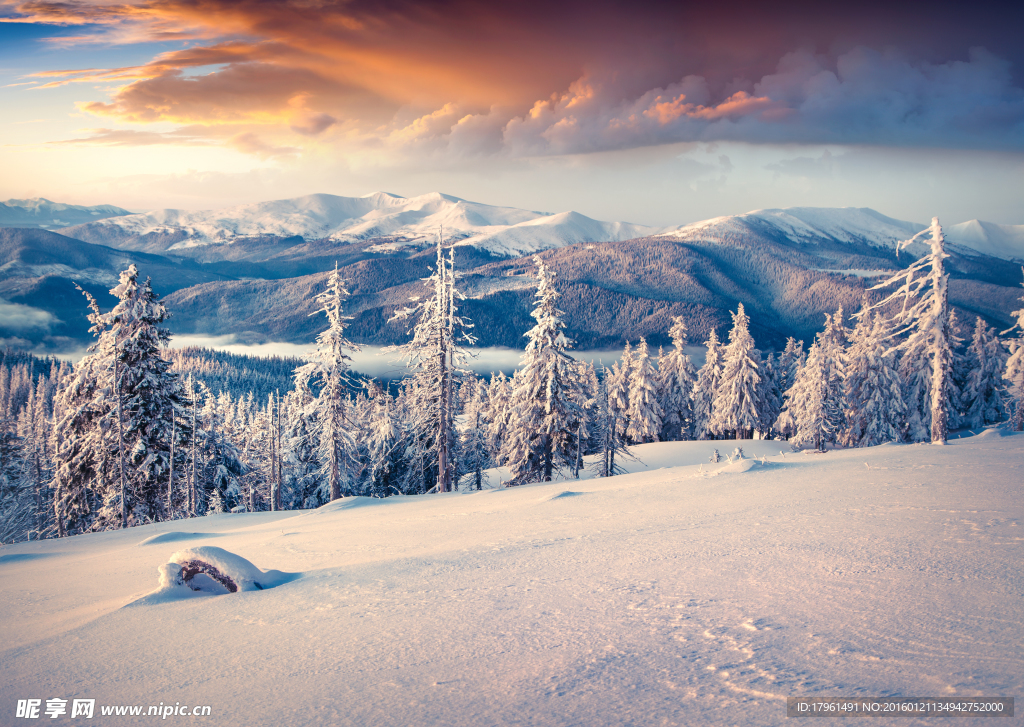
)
(814, 404)
(330, 365)
(645, 416)
(924, 316)
(1014, 373)
(606, 429)
(617, 390)
(707, 386)
(545, 409)
(435, 355)
(983, 397)
(473, 446)
(114, 434)
(769, 398)
(875, 412)
(737, 398)
(677, 379)
(386, 453)
(499, 397)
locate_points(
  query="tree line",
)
(122, 439)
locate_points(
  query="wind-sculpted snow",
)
(175, 536)
(665, 596)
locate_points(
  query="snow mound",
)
(742, 465)
(205, 570)
(561, 496)
(346, 503)
(241, 572)
(174, 536)
(997, 432)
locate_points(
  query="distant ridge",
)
(394, 222)
(43, 214)
(856, 225)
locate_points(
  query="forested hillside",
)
(134, 434)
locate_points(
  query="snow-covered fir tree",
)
(875, 412)
(546, 401)
(769, 398)
(983, 397)
(435, 355)
(606, 429)
(814, 404)
(1014, 373)
(618, 390)
(791, 360)
(644, 415)
(474, 449)
(386, 453)
(737, 398)
(113, 463)
(499, 397)
(707, 387)
(677, 379)
(926, 365)
(330, 366)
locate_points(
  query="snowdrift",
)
(206, 570)
(685, 593)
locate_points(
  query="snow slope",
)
(807, 224)
(45, 214)
(1003, 241)
(855, 225)
(502, 230)
(684, 594)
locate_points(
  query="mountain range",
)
(253, 270)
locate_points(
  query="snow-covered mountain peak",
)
(1003, 241)
(43, 213)
(399, 220)
(808, 224)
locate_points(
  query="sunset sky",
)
(651, 113)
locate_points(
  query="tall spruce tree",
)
(737, 401)
(875, 412)
(645, 414)
(677, 380)
(1014, 373)
(545, 406)
(924, 318)
(435, 355)
(113, 460)
(814, 408)
(330, 364)
(707, 387)
(983, 397)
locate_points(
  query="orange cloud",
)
(739, 104)
(513, 78)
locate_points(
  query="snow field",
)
(683, 593)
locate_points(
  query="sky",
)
(654, 113)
